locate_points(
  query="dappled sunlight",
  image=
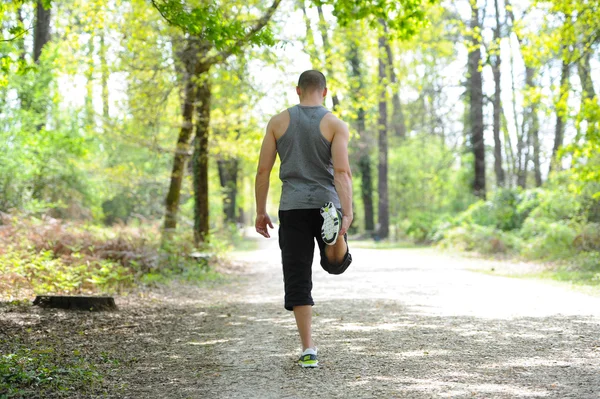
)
(213, 342)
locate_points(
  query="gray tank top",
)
(306, 167)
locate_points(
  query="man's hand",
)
(262, 221)
(346, 222)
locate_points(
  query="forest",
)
(130, 133)
(130, 129)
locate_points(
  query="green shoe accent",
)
(308, 361)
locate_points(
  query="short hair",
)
(312, 80)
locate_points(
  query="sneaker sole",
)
(326, 215)
(309, 365)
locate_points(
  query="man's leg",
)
(303, 316)
(336, 253)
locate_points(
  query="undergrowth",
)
(35, 372)
(50, 256)
(555, 226)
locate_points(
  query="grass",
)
(34, 372)
(371, 244)
(586, 280)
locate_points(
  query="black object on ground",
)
(91, 303)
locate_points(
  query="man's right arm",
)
(268, 154)
(342, 175)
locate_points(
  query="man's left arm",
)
(268, 153)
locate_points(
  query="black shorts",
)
(298, 229)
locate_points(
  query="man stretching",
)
(316, 197)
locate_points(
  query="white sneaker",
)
(331, 223)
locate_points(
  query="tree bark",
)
(584, 71)
(228, 176)
(496, 63)
(327, 51)
(383, 146)
(104, 78)
(534, 128)
(309, 47)
(561, 110)
(398, 123)
(364, 161)
(89, 86)
(200, 160)
(41, 32)
(474, 83)
(189, 59)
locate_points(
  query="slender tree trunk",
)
(309, 46)
(364, 160)
(89, 86)
(561, 111)
(383, 146)
(398, 123)
(476, 108)
(41, 32)
(200, 160)
(496, 63)
(327, 50)
(534, 128)
(104, 79)
(584, 71)
(189, 59)
(588, 93)
(228, 176)
(510, 155)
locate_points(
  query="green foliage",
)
(404, 18)
(425, 188)
(549, 240)
(217, 24)
(537, 224)
(47, 256)
(29, 372)
(483, 239)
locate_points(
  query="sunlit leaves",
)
(220, 25)
(404, 17)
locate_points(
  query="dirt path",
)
(398, 324)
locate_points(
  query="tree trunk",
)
(476, 108)
(584, 71)
(496, 63)
(200, 160)
(327, 51)
(188, 58)
(89, 86)
(561, 111)
(587, 88)
(228, 175)
(41, 32)
(364, 161)
(383, 146)
(533, 128)
(309, 47)
(104, 79)
(398, 123)
(508, 150)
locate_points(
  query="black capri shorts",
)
(298, 229)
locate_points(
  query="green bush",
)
(484, 239)
(506, 210)
(549, 240)
(557, 205)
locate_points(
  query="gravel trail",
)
(406, 323)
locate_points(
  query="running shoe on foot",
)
(332, 222)
(308, 358)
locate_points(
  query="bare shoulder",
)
(279, 123)
(335, 125)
